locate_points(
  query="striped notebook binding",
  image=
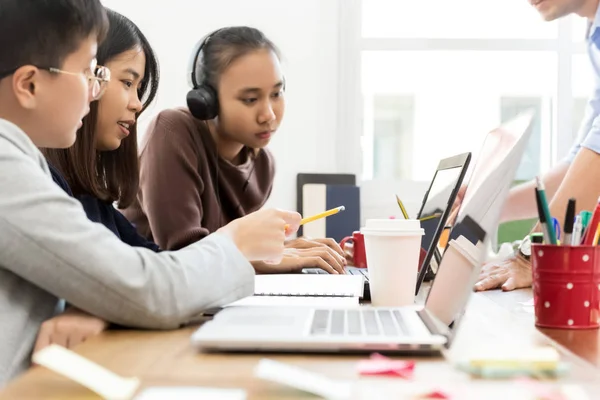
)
(309, 285)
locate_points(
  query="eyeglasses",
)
(97, 76)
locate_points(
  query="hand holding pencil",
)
(261, 234)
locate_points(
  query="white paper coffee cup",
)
(393, 248)
(454, 279)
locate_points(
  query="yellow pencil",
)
(597, 235)
(404, 213)
(322, 215)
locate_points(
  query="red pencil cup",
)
(566, 286)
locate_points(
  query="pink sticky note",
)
(381, 365)
(437, 394)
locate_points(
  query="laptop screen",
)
(493, 171)
(437, 200)
(477, 219)
(436, 204)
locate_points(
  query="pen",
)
(401, 205)
(577, 232)
(544, 210)
(569, 220)
(556, 228)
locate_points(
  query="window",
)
(392, 131)
(453, 19)
(456, 98)
(432, 83)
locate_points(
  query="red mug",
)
(359, 258)
(358, 241)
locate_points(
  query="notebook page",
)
(300, 301)
(309, 285)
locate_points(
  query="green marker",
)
(586, 216)
(545, 217)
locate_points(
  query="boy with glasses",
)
(49, 250)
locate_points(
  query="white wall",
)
(307, 33)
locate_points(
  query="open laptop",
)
(367, 329)
(437, 202)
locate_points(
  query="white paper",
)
(529, 309)
(314, 201)
(302, 379)
(190, 393)
(573, 392)
(299, 301)
(309, 285)
(528, 303)
(87, 373)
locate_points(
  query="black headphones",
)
(202, 100)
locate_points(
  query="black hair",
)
(122, 36)
(45, 32)
(224, 46)
(109, 175)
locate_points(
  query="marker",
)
(537, 238)
(586, 217)
(569, 220)
(544, 211)
(577, 231)
(542, 218)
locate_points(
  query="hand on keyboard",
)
(297, 259)
(308, 243)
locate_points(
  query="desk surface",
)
(167, 359)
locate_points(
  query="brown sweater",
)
(183, 195)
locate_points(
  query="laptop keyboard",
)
(351, 271)
(359, 322)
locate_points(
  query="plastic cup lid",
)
(471, 252)
(394, 224)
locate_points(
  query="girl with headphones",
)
(207, 164)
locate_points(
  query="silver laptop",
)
(367, 329)
(438, 200)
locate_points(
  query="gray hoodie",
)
(49, 250)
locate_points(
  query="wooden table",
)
(167, 359)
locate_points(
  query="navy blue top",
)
(104, 212)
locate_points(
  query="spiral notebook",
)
(309, 285)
